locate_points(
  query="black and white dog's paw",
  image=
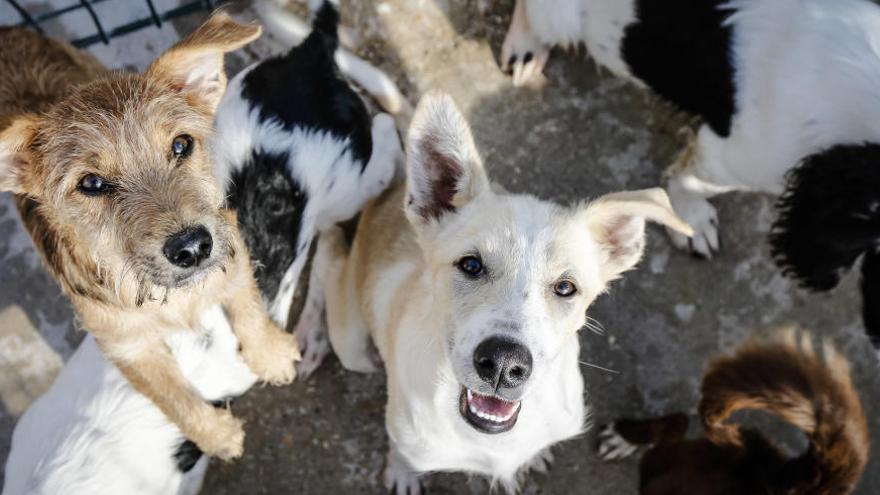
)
(523, 55)
(701, 216)
(612, 446)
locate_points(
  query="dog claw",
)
(523, 56)
(542, 462)
(702, 217)
(400, 481)
(612, 446)
(311, 335)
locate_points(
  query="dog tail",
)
(290, 30)
(325, 22)
(789, 380)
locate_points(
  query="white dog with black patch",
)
(775, 81)
(474, 298)
(93, 433)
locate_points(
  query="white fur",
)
(93, 433)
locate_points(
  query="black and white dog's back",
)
(299, 153)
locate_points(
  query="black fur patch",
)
(829, 216)
(270, 206)
(305, 89)
(681, 49)
(187, 455)
(871, 296)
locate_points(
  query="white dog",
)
(774, 80)
(93, 433)
(474, 298)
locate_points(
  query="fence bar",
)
(154, 14)
(57, 13)
(101, 33)
(24, 15)
(189, 8)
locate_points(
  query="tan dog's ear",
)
(14, 156)
(444, 170)
(194, 66)
(617, 222)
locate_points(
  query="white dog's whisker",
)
(609, 370)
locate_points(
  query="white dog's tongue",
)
(493, 407)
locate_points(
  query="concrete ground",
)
(574, 135)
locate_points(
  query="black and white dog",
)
(774, 80)
(299, 153)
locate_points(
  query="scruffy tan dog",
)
(115, 184)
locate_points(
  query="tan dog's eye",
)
(564, 288)
(93, 185)
(182, 146)
(471, 266)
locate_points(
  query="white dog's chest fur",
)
(423, 417)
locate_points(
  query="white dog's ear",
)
(444, 170)
(194, 66)
(14, 156)
(617, 222)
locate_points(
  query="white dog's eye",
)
(564, 288)
(470, 265)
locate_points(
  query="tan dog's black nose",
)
(189, 247)
(503, 363)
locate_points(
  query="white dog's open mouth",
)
(487, 413)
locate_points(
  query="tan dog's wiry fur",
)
(114, 182)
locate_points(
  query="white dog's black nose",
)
(503, 363)
(189, 247)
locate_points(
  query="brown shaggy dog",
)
(786, 379)
(115, 184)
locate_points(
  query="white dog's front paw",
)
(542, 462)
(523, 55)
(612, 446)
(399, 480)
(701, 216)
(311, 336)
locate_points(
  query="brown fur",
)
(787, 380)
(63, 117)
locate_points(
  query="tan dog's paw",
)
(224, 436)
(273, 359)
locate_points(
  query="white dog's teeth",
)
(473, 409)
(470, 395)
